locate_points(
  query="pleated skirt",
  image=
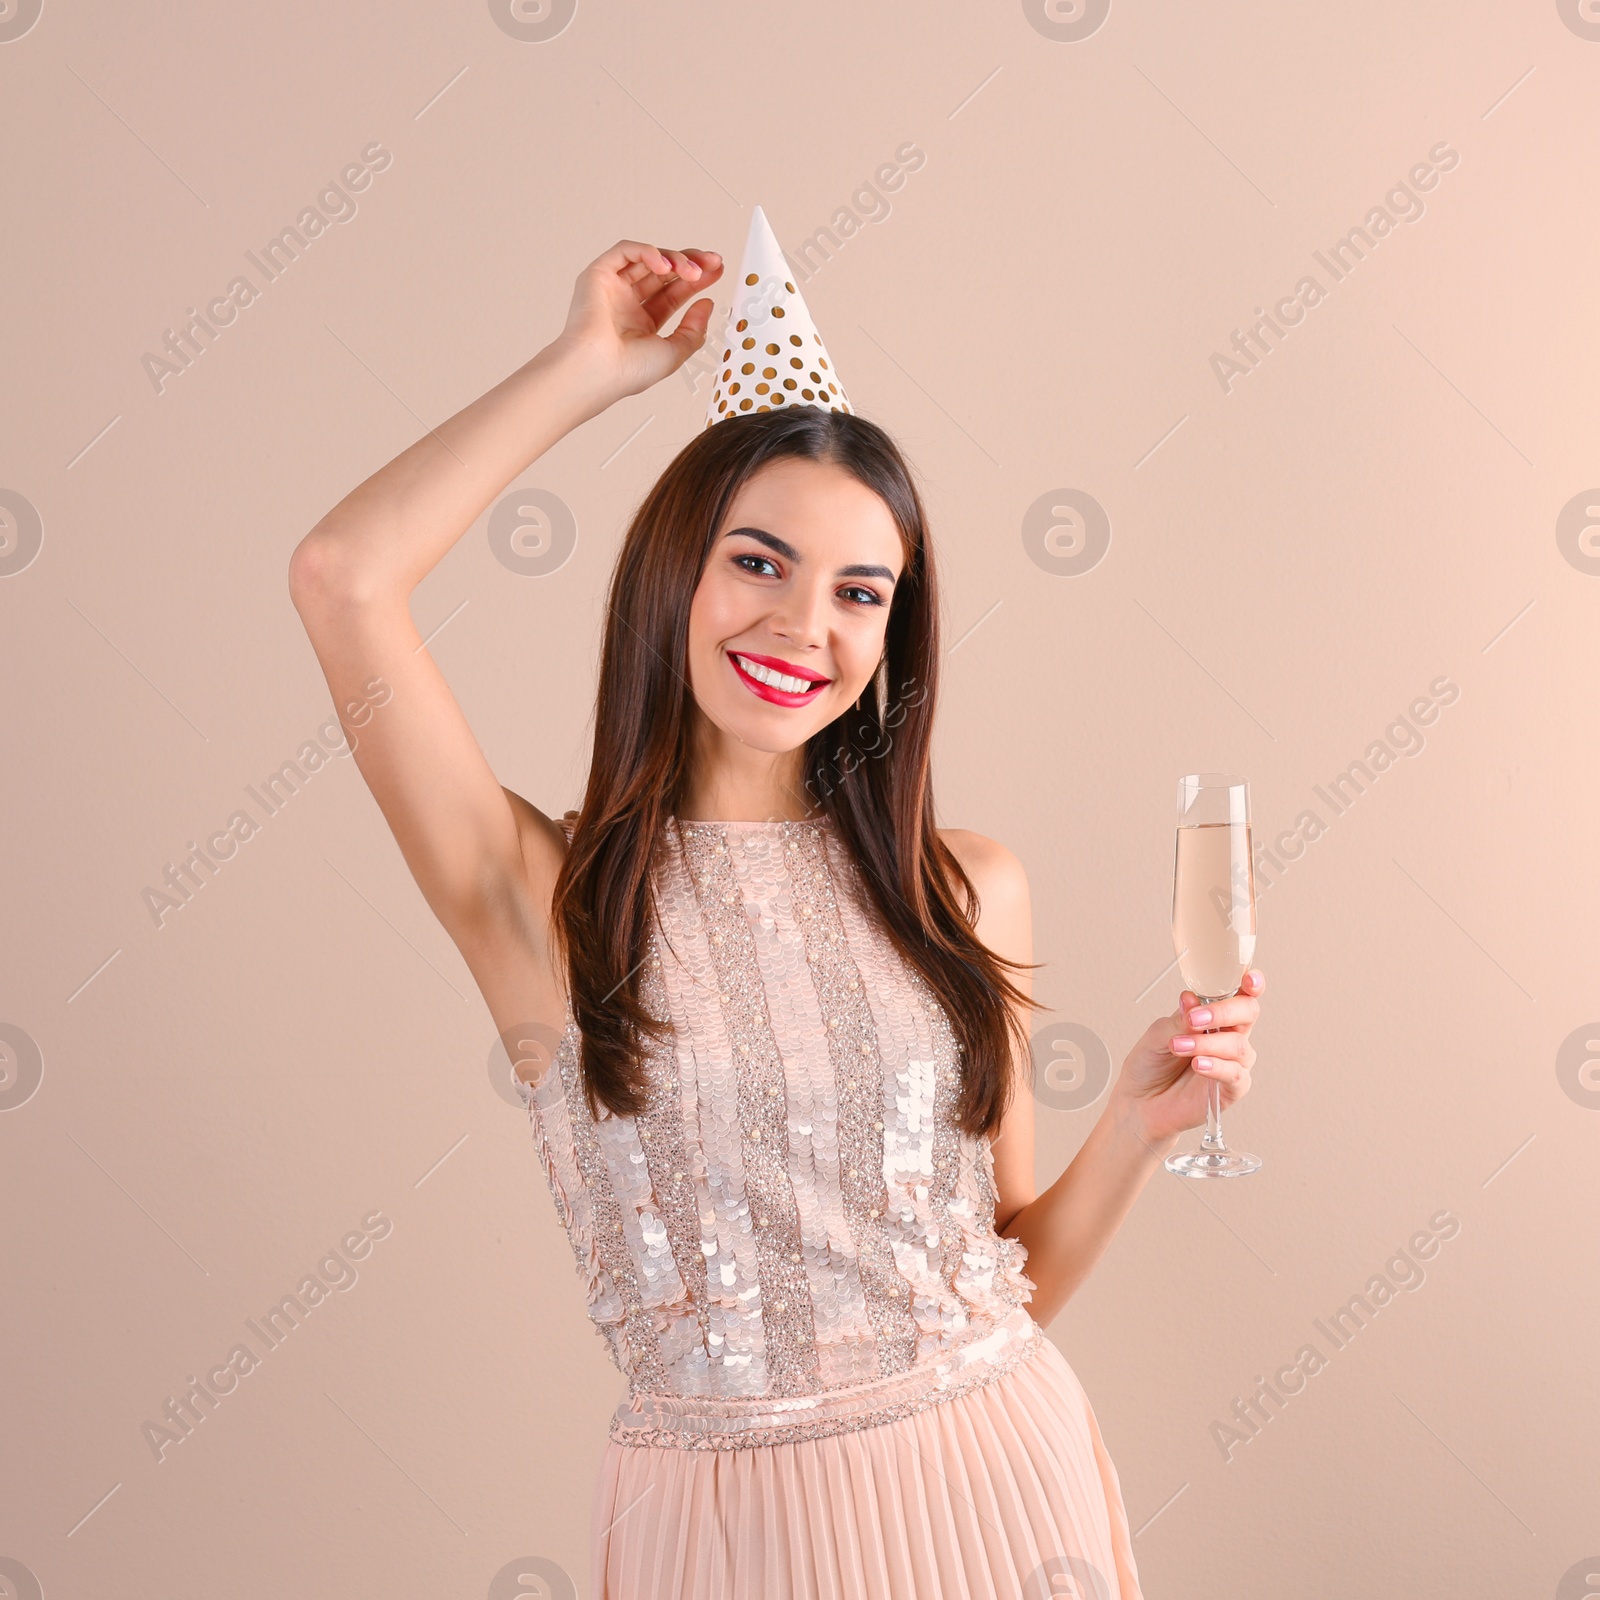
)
(1006, 1492)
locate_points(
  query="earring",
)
(880, 682)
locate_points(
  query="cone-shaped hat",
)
(772, 355)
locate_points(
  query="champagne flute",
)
(1213, 930)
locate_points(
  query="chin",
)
(773, 731)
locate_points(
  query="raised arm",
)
(485, 859)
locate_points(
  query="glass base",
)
(1212, 1164)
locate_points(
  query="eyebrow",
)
(783, 548)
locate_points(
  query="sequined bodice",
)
(796, 1225)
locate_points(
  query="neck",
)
(730, 781)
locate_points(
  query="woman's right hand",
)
(621, 302)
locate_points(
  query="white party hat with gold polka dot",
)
(772, 355)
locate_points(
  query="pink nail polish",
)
(1200, 1017)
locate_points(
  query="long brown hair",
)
(868, 769)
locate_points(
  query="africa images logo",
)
(1402, 203)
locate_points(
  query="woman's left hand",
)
(1163, 1080)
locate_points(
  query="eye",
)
(760, 566)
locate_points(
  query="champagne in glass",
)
(1213, 929)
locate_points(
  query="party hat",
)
(772, 357)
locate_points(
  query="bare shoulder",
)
(996, 873)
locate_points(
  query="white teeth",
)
(778, 680)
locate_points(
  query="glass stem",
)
(1213, 1141)
(1213, 1134)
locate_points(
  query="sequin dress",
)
(834, 1384)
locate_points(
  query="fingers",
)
(667, 294)
(695, 265)
(633, 258)
(1233, 1081)
(1240, 1010)
(1222, 1058)
(1217, 1048)
(661, 280)
(1236, 1012)
(680, 264)
(649, 269)
(710, 264)
(691, 330)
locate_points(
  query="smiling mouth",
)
(793, 687)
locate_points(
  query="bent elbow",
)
(308, 570)
(323, 575)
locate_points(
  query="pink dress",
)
(834, 1385)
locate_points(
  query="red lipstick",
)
(771, 692)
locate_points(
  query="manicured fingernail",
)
(1183, 1042)
(1200, 1017)
(1203, 1063)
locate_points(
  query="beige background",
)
(1032, 310)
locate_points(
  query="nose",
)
(800, 616)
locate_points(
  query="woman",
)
(784, 1014)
